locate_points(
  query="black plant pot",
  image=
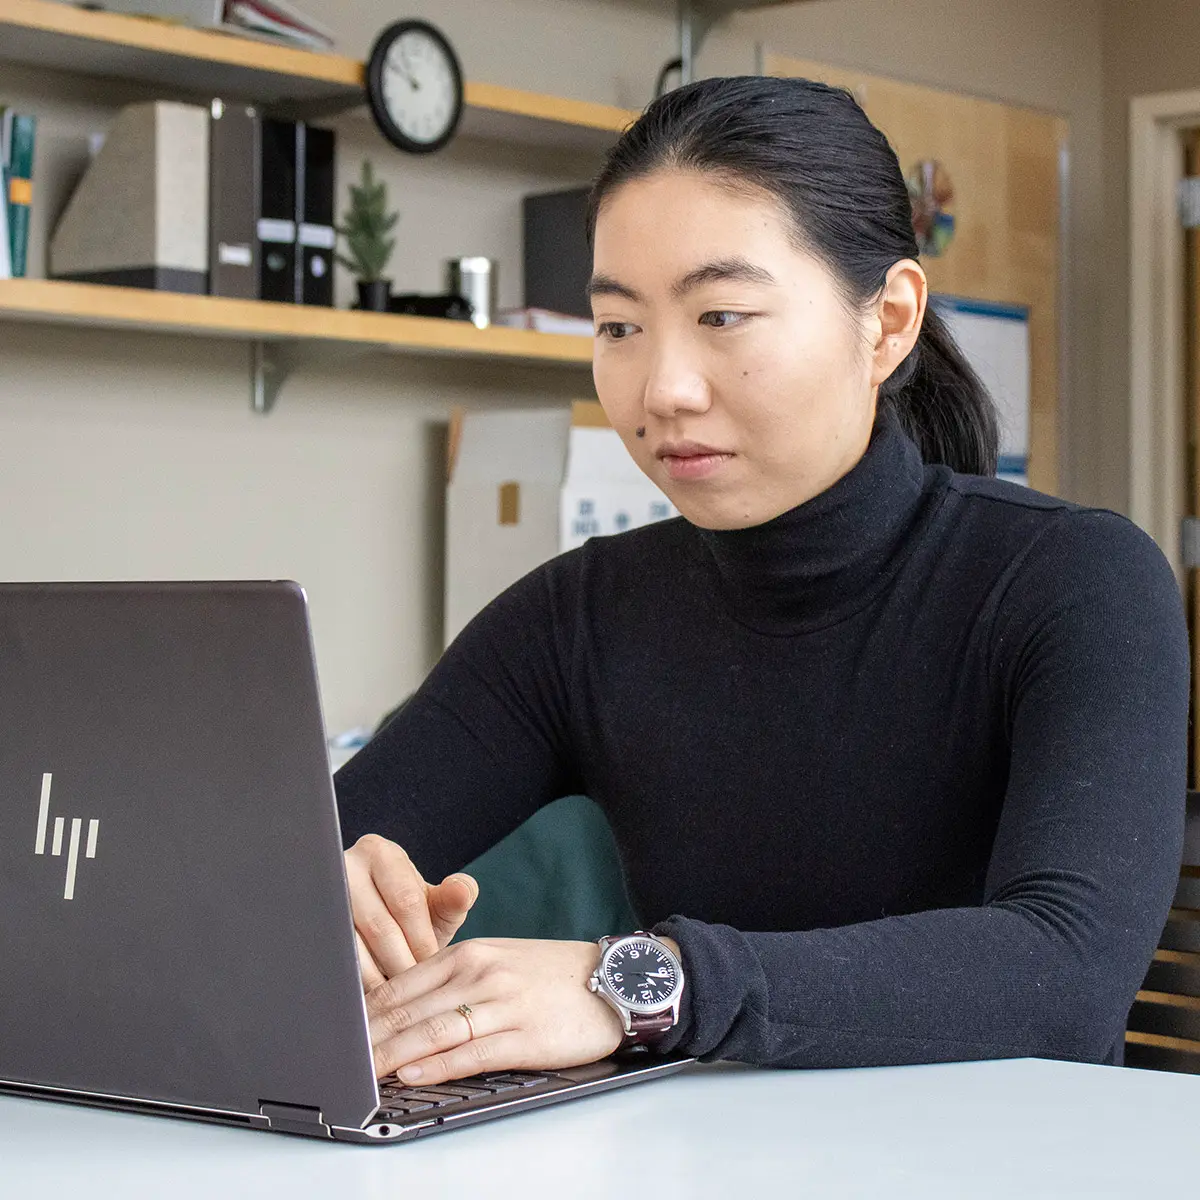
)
(374, 294)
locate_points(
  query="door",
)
(1191, 577)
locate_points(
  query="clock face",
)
(415, 86)
(642, 975)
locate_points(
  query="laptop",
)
(176, 936)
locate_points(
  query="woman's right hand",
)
(399, 919)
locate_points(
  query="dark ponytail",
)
(813, 148)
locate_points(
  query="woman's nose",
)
(675, 385)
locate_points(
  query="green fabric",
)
(557, 876)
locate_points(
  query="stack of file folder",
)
(271, 202)
(218, 200)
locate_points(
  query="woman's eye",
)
(722, 318)
(615, 330)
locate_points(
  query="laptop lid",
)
(174, 920)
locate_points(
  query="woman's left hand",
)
(529, 1003)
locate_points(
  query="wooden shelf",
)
(136, 309)
(59, 36)
(530, 118)
(207, 62)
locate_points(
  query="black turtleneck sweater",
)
(902, 770)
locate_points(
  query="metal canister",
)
(474, 279)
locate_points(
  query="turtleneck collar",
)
(824, 559)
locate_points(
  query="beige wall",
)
(137, 455)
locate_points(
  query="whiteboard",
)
(995, 340)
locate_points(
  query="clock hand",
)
(409, 79)
(412, 76)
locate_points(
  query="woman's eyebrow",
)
(722, 270)
(606, 285)
(719, 270)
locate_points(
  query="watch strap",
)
(646, 1028)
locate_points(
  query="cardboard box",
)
(525, 486)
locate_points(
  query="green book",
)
(5, 252)
(19, 143)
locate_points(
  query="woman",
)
(894, 752)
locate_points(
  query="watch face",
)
(641, 975)
(415, 86)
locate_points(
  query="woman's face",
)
(713, 329)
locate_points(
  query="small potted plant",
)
(365, 227)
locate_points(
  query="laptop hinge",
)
(294, 1118)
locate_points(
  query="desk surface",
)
(1021, 1128)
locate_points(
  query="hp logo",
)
(56, 844)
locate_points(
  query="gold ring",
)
(465, 1010)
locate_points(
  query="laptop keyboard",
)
(399, 1101)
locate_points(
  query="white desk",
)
(1019, 1129)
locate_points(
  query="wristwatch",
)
(643, 980)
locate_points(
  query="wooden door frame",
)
(1158, 484)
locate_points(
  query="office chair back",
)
(1163, 1032)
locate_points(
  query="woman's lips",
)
(694, 466)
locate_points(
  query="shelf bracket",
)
(695, 21)
(270, 365)
(273, 363)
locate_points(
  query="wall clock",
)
(415, 86)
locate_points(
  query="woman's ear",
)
(901, 311)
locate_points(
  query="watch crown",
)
(593, 984)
